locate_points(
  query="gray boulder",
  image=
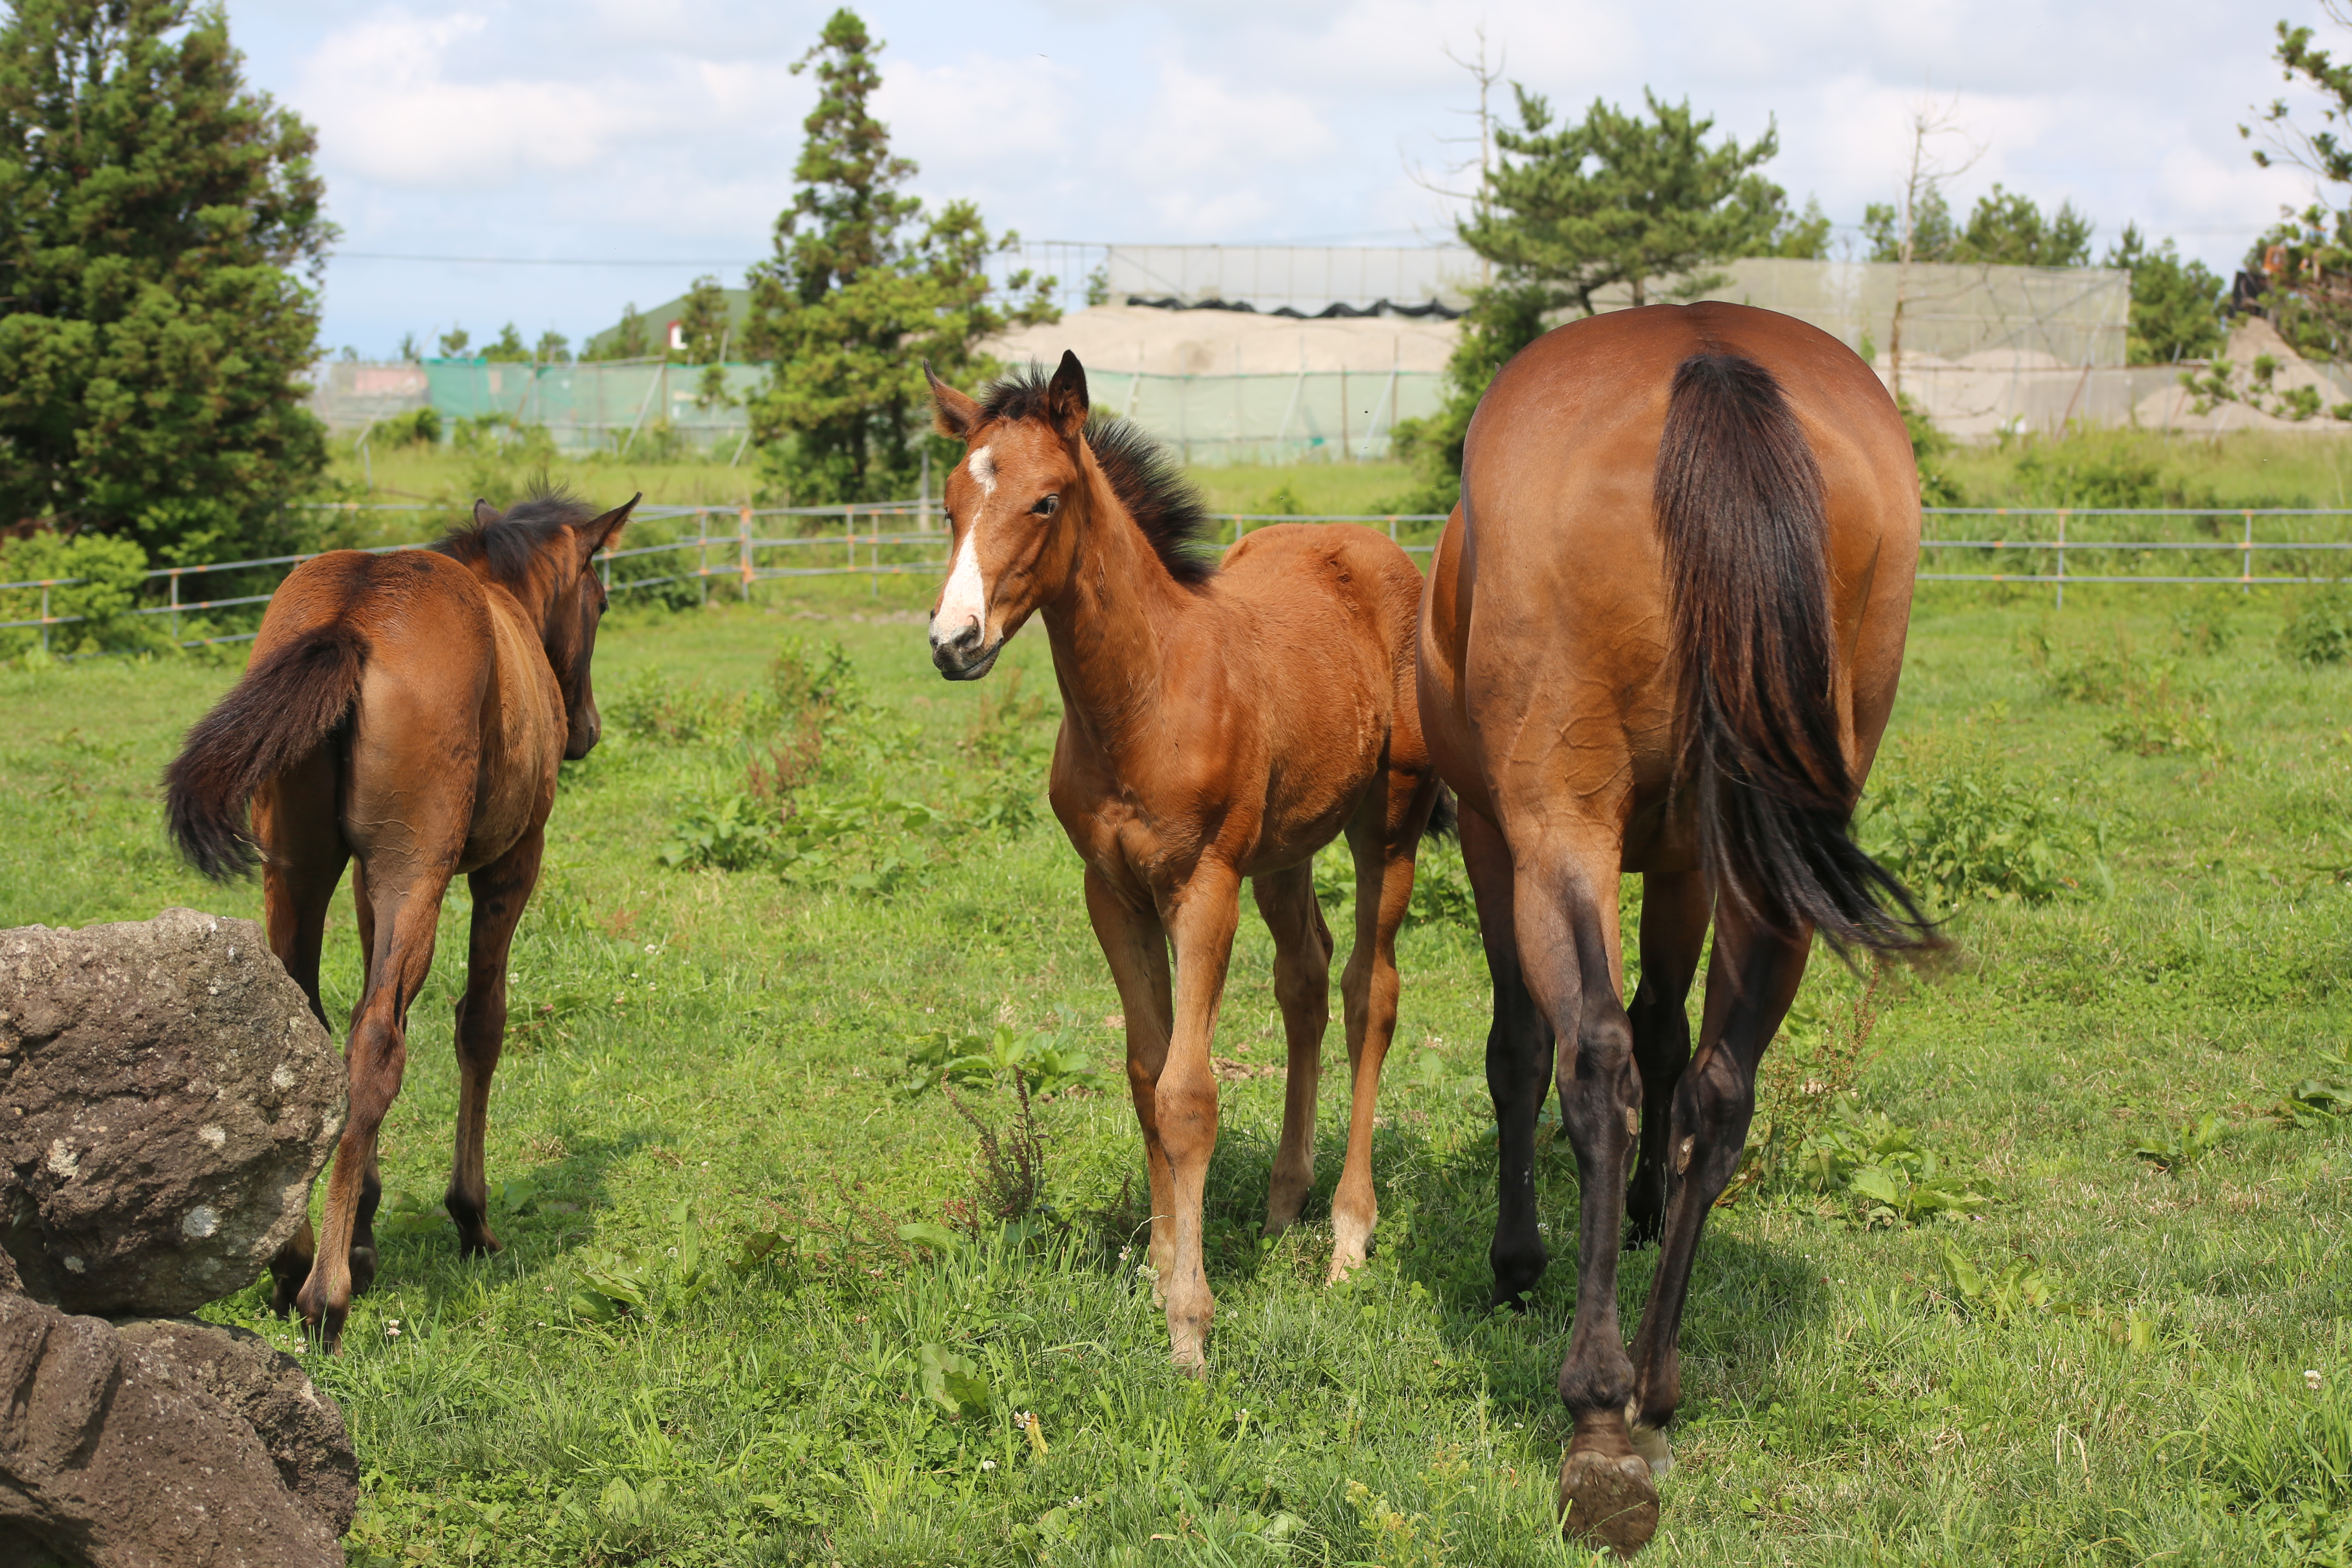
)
(112, 1456)
(301, 1429)
(166, 1099)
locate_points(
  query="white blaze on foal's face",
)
(965, 600)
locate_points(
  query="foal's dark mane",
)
(519, 533)
(1143, 474)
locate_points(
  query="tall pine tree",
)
(154, 212)
(861, 290)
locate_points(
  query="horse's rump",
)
(1741, 515)
(300, 687)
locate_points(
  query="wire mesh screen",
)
(2045, 316)
(583, 406)
(1305, 279)
(1310, 416)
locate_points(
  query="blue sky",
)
(664, 131)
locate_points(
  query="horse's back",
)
(1314, 581)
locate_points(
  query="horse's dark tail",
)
(289, 700)
(1740, 510)
(1444, 818)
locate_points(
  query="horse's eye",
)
(1048, 506)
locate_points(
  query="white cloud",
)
(636, 128)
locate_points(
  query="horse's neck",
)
(1110, 625)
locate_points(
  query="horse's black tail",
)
(1740, 510)
(289, 699)
(1444, 818)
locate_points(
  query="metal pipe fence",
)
(868, 547)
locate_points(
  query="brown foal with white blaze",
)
(405, 711)
(1663, 635)
(1217, 724)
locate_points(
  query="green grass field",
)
(758, 1304)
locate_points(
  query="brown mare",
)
(407, 710)
(1662, 636)
(1217, 724)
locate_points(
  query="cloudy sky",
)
(655, 139)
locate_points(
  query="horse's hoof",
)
(1651, 1444)
(1608, 1500)
(323, 1327)
(482, 1246)
(362, 1270)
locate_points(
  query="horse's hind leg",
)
(304, 856)
(406, 910)
(1302, 984)
(1712, 1107)
(1383, 837)
(1565, 901)
(1519, 1065)
(500, 889)
(1674, 910)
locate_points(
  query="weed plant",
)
(756, 1307)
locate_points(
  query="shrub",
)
(2321, 631)
(112, 573)
(1953, 820)
(410, 427)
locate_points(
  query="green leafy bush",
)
(410, 427)
(1046, 1061)
(2321, 630)
(1957, 822)
(731, 832)
(112, 573)
(1884, 1168)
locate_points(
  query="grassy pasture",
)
(2096, 1356)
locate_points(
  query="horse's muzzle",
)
(965, 655)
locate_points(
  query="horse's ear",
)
(485, 513)
(954, 414)
(604, 532)
(1066, 397)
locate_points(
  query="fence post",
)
(175, 605)
(45, 617)
(702, 552)
(743, 544)
(2062, 557)
(1391, 530)
(2247, 577)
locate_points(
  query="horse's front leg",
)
(500, 890)
(1201, 922)
(1136, 946)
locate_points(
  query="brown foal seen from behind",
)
(1663, 634)
(1217, 724)
(405, 712)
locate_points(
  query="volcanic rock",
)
(112, 1456)
(166, 1099)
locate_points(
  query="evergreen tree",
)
(1803, 236)
(454, 343)
(1933, 235)
(1566, 213)
(2007, 229)
(1620, 199)
(2306, 259)
(862, 288)
(509, 348)
(2176, 305)
(154, 212)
